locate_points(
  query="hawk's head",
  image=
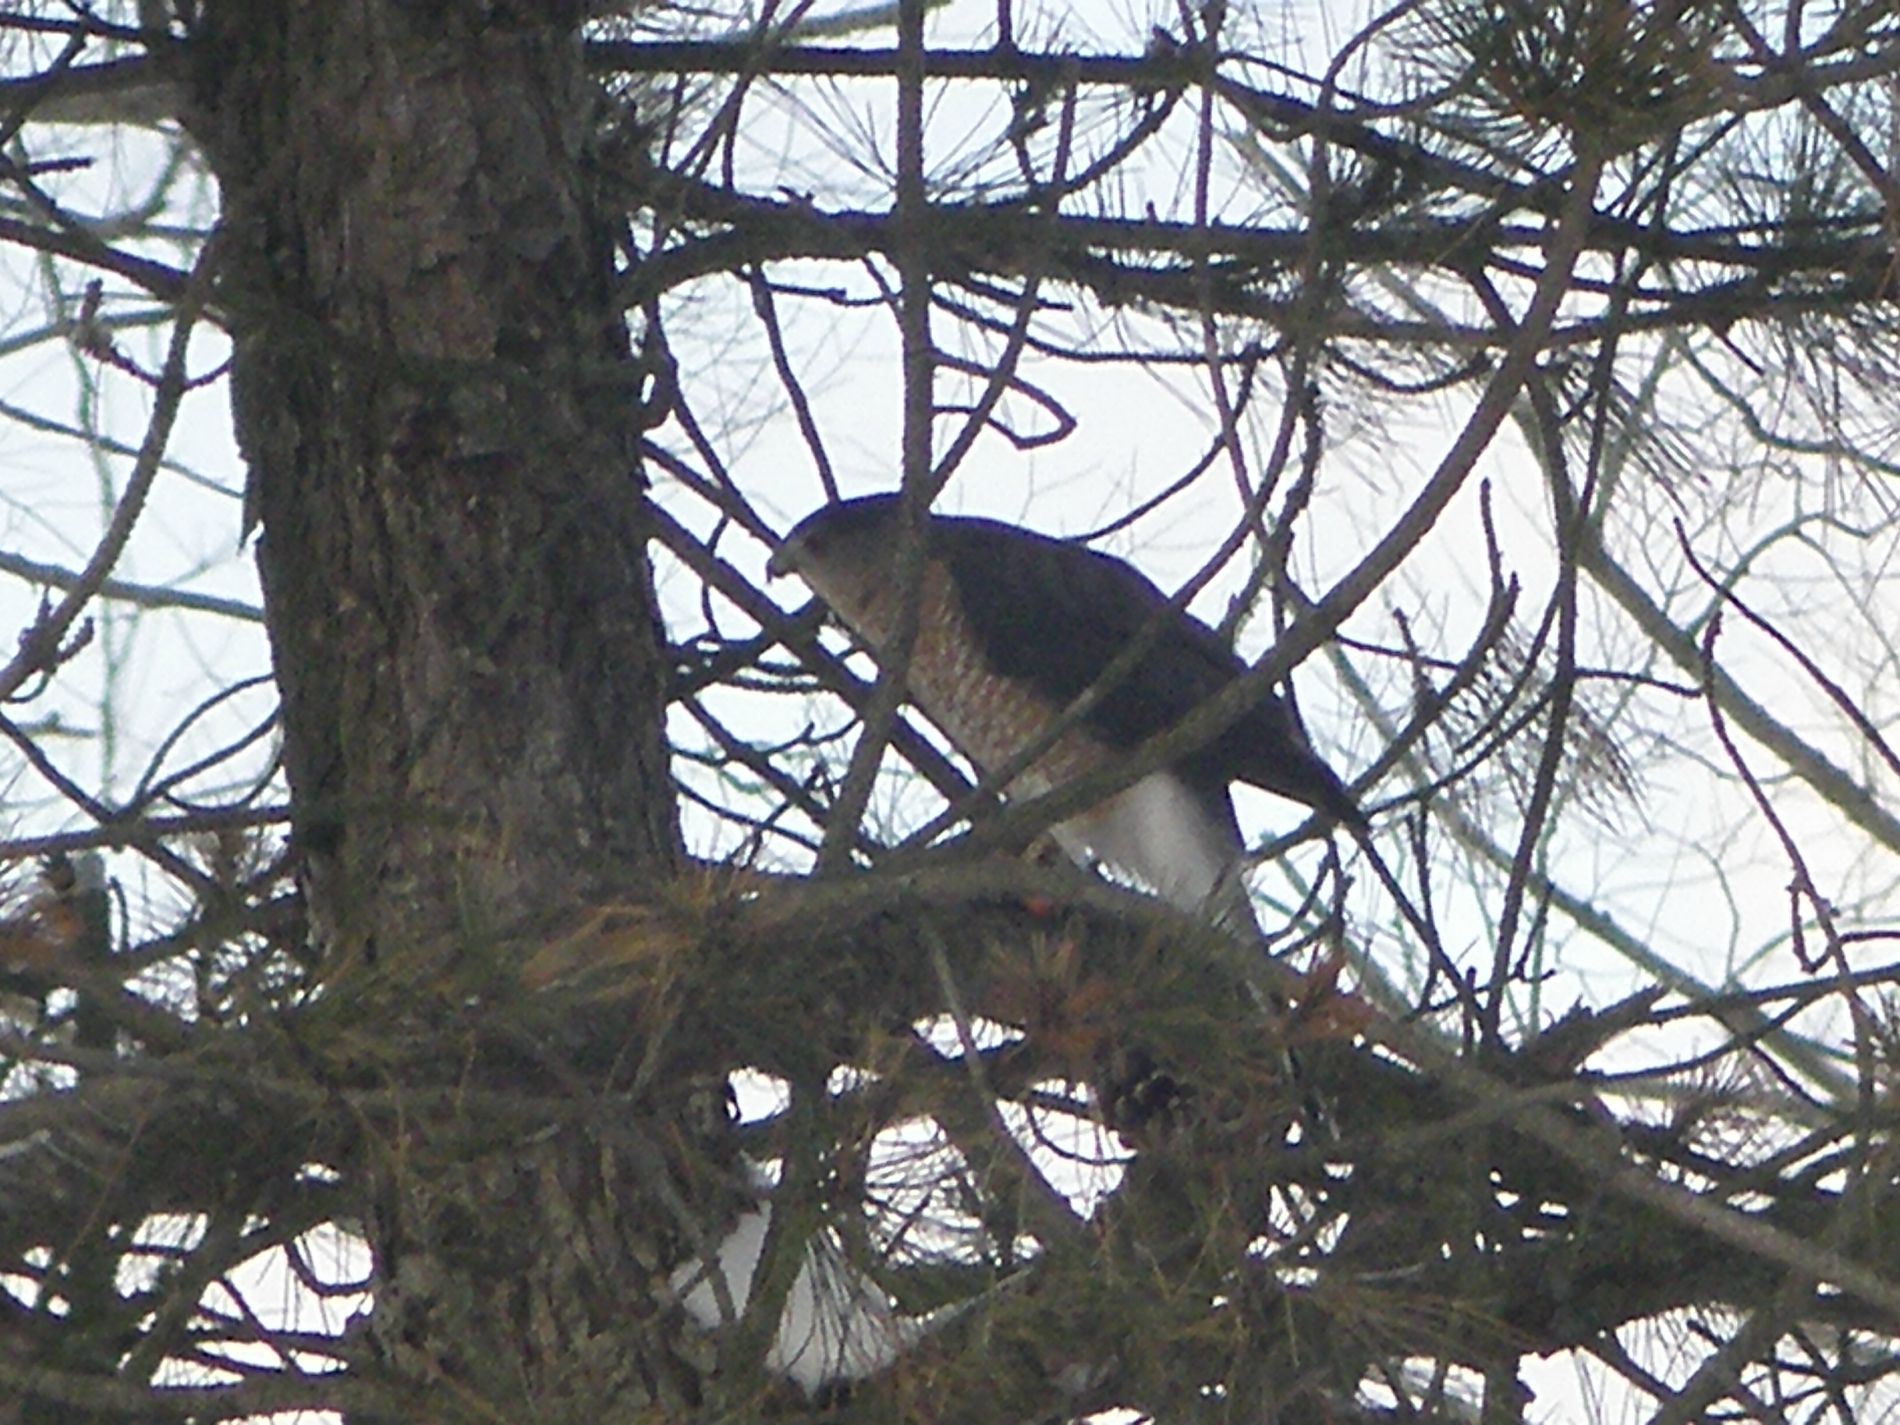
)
(850, 533)
(844, 551)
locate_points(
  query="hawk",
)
(1012, 627)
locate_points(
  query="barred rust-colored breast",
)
(989, 717)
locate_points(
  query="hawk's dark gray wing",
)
(1055, 615)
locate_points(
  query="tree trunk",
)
(437, 400)
(438, 403)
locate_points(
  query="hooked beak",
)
(784, 559)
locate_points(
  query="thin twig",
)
(42, 646)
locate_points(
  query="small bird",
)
(1013, 626)
(836, 1325)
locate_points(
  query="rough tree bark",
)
(439, 406)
